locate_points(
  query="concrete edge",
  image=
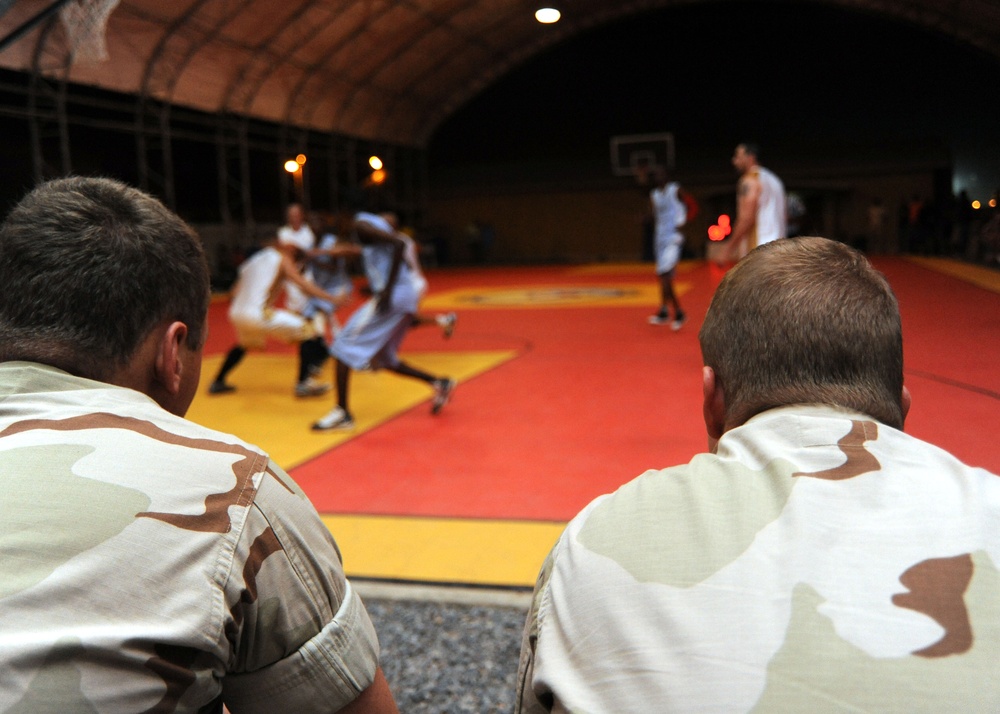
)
(452, 595)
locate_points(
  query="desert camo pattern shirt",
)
(819, 562)
(148, 564)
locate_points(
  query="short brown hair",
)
(805, 320)
(89, 266)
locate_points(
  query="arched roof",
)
(388, 70)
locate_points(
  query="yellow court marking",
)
(553, 296)
(685, 266)
(264, 412)
(445, 550)
(979, 276)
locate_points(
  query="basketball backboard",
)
(631, 153)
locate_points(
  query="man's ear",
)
(168, 367)
(713, 406)
(904, 402)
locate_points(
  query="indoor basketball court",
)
(565, 392)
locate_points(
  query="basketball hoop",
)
(85, 23)
(638, 154)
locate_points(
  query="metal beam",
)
(29, 24)
(5, 5)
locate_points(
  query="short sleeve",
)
(324, 674)
(529, 699)
(300, 637)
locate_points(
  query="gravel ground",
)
(448, 657)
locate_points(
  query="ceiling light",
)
(547, 15)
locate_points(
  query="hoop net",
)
(86, 23)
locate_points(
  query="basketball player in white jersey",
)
(669, 214)
(299, 233)
(371, 337)
(761, 214)
(255, 318)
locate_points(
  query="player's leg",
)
(445, 320)
(409, 371)
(233, 358)
(340, 416)
(670, 296)
(291, 327)
(312, 355)
(666, 291)
(443, 386)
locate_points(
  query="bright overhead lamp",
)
(547, 15)
(375, 162)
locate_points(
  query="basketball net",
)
(86, 22)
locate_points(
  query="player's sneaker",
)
(311, 388)
(336, 419)
(447, 323)
(679, 319)
(442, 393)
(660, 318)
(218, 387)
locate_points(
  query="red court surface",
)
(594, 395)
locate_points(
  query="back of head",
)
(89, 267)
(805, 320)
(751, 148)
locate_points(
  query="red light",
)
(715, 233)
(724, 221)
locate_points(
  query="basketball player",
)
(760, 205)
(669, 214)
(299, 233)
(372, 335)
(255, 318)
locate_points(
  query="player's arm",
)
(339, 250)
(747, 198)
(397, 260)
(290, 272)
(368, 233)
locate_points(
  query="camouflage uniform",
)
(820, 562)
(150, 564)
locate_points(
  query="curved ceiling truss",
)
(385, 70)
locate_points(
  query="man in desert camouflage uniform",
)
(147, 563)
(817, 559)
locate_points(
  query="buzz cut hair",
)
(89, 266)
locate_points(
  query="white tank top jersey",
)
(771, 218)
(256, 289)
(671, 213)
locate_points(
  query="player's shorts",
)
(667, 257)
(253, 331)
(370, 339)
